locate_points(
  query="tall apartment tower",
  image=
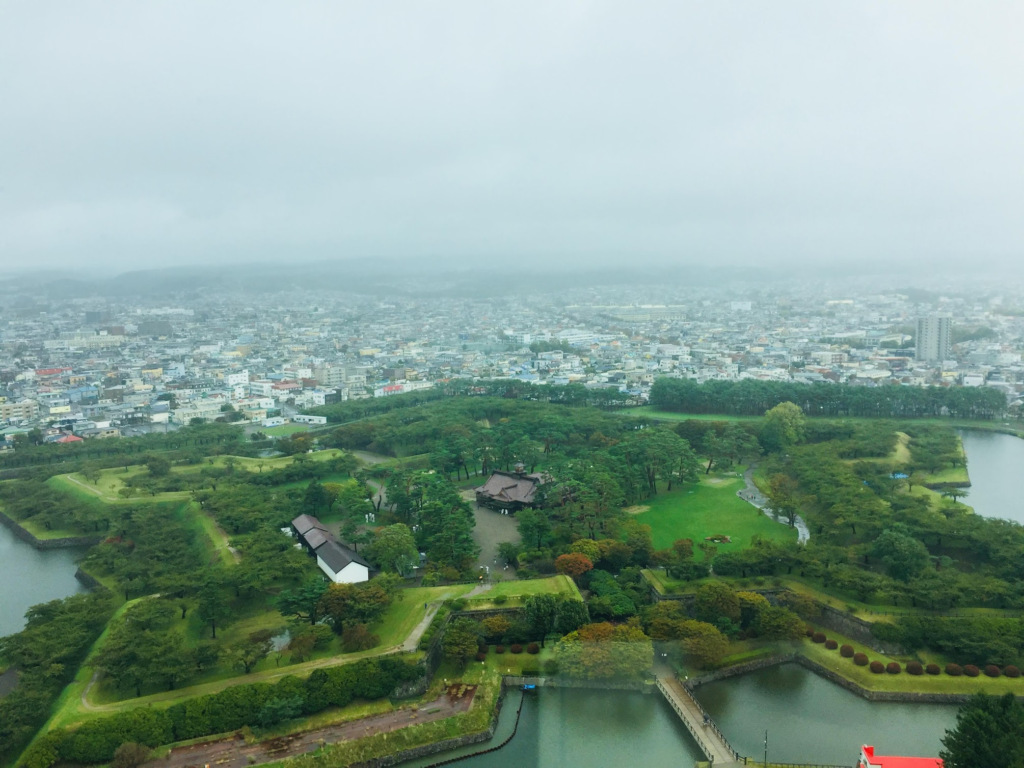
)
(934, 338)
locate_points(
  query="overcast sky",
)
(139, 134)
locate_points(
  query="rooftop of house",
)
(869, 759)
(511, 487)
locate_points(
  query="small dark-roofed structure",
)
(337, 556)
(303, 523)
(509, 490)
(341, 564)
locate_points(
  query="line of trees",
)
(753, 398)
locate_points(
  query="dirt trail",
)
(235, 753)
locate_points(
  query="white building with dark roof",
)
(341, 564)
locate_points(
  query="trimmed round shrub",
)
(893, 668)
(516, 648)
(481, 657)
(971, 671)
(954, 670)
(831, 644)
(933, 669)
(846, 651)
(992, 670)
(860, 659)
(500, 599)
(533, 648)
(809, 631)
(1011, 671)
(877, 667)
(914, 668)
(499, 649)
(818, 637)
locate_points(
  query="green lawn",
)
(864, 677)
(651, 412)
(516, 591)
(708, 508)
(285, 429)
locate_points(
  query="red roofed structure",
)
(868, 759)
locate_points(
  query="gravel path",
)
(752, 494)
(492, 528)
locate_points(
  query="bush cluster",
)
(893, 668)
(914, 668)
(860, 659)
(831, 644)
(971, 671)
(877, 667)
(818, 637)
(256, 704)
(954, 670)
(846, 651)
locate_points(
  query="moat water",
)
(808, 720)
(29, 576)
(995, 462)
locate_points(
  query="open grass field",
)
(651, 412)
(517, 591)
(284, 430)
(708, 508)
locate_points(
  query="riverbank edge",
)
(30, 538)
(904, 697)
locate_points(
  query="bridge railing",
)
(710, 722)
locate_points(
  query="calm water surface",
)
(810, 720)
(564, 727)
(996, 465)
(29, 576)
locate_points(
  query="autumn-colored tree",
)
(573, 564)
(496, 626)
(605, 650)
(716, 601)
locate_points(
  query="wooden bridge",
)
(709, 738)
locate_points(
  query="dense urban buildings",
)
(101, 367)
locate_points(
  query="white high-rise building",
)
(934, 340)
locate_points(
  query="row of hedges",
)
(532, 648)
(435, 626)
(912, 667)
(257, 704)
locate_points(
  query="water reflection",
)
(29, 576)
(810, 720)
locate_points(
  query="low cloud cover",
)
(150, 134)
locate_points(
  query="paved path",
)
(491, 529)
(752, 494)
(710, 740)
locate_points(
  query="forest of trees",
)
(753, 398)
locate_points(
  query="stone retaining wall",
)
(900, 696)
(568, 682)
(439, 746)
(88, 580)
(739, 669)
(856, 629)
(64, 543)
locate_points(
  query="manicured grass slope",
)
(709, 508)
